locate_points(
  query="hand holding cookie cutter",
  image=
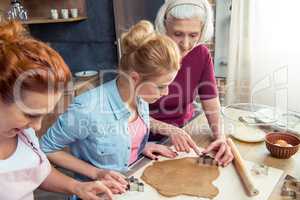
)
(206, 159)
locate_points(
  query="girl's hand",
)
(89, 190)
(224, 155)
(182, 141)
(114, 180)
(151, 149)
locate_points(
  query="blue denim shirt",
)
(95, 127)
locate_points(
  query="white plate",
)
(267, 116)
(85, 74)
(256, 135)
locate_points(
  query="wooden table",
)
(255, 152)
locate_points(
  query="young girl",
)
(27, 69)
(108, 127)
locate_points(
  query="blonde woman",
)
(189, 23)
(107, 128)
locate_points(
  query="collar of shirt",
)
(117, 104)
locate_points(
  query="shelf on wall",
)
(39, 10)
(48, 21)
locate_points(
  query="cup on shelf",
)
(54, 14)
(74, 12)
(64, 13)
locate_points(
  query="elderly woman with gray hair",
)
(189, 23)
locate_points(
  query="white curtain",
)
(264, 53)
(239, 60)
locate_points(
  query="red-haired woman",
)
(28, 69)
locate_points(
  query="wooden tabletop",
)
(255, 152)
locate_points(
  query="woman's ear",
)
(136, 78)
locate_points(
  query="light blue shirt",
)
(95, 127)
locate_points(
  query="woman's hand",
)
(151, 149)
(89, 190)
(182, 141)
(224, 155)
(113, 180)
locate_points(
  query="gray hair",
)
(187, 9)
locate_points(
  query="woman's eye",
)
(32, 116)
(161, 87)
(178, 34)
(194, 35)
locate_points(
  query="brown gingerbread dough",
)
(182, 177)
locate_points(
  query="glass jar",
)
(16, 11)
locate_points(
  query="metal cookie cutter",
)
(291, 188)
(207, 159)
(260, 169)
(134, 184)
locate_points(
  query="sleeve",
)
(69, 127)
(208, 86)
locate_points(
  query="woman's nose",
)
(165, 91)
(185, 44)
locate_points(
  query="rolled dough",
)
(182, 177)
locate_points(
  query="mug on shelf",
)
(64, 13)
(74, 12)
(54, 13)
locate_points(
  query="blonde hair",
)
(148, 53)
(187, 9)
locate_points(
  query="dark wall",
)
(87, 44)
(90, 44)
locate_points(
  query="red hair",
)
(21, 54)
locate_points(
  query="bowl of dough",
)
(282, 145)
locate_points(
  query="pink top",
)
(195, 77)
(137, 130)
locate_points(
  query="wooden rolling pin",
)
(241, 169)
